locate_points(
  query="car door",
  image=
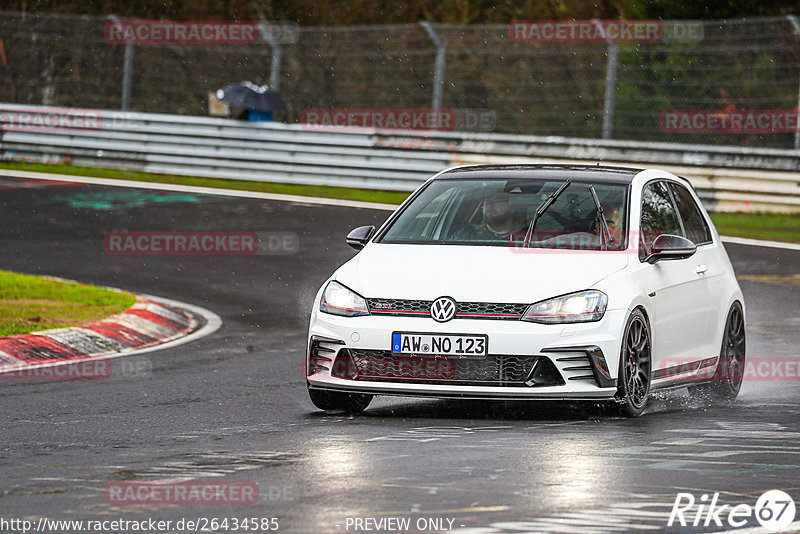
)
(707, 265)
(676, 292)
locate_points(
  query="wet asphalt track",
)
(233, 406)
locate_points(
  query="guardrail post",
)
(610, 97)
(611, 91)
(277, 58)
(127, 77)
(438, 71)
(796, 26)
(127, 73)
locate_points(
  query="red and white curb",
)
(152, 323)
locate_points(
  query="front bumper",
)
(585, 355)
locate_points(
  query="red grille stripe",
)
(491, 314)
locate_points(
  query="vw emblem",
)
(443, 309)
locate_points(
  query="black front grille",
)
(491, 370)
(464, 310)
(399, 306)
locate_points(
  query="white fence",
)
(728, 178)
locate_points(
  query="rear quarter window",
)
(694, 223)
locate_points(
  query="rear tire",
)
(333, 401)
(634, 366)
(727, 380)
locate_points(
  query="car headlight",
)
(340, 300)
(581, 307)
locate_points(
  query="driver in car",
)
(612, 210)
(501, 222)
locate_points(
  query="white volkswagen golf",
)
(532, 282)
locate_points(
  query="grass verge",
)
(773, 227)
(32, 303)
(344, 193)
(769, 226)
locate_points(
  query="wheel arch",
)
(641, 304)
(636, 304)
(735, 298)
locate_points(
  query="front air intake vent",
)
(492, 370)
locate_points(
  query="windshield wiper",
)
(541, 209)
(605, 234)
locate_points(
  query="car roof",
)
(590, 173)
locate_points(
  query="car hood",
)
(473, 273)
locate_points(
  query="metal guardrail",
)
(602, 150)
(728, 178)
(210, 147)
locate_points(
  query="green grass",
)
(774, 227)
(769, 226)
(32, 303)
(344, 193)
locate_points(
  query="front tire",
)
(727, 380)
(333, 401)
(634, 366)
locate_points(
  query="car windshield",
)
(502, 212)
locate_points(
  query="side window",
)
(696, 227)
(426, 223)
(658, 216)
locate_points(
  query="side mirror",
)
(670, 247)
(360, 236)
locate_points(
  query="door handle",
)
(701, 269)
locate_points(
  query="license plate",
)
(439, 344)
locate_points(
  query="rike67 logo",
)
(774, 511)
